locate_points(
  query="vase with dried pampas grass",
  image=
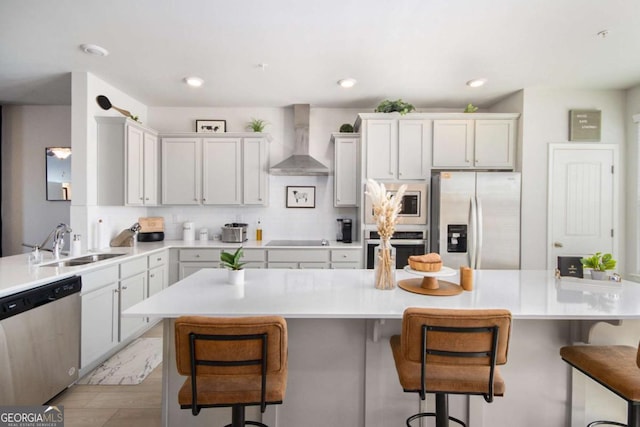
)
(386, 208)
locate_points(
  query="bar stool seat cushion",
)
(616, 367)
(444, 378)
(226, 391)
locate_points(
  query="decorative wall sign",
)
(301, 197)
(585, 125)
(211, 126)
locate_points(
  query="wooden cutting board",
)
(151, 224)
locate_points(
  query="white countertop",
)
(16, 275)
(528, 294)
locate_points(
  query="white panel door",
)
(453, 143)
(414, 149)
(181, 171)
(382, 149)
(254, 171)
(150, 169)
(221, 171)
(495, 143)
(583, 200)
(134, 171)
(346, 172)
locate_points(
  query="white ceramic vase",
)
(236, 277)
(598, 275)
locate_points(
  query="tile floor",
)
(115, 405)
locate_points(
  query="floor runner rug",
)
(129, 366)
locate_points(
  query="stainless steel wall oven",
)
(407, 243)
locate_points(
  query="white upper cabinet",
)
(382, 149)
(480, 143)
(414, 149)
(453, 143)
(127, 163)
(216, 170)
(181, 171)
(346, 161)
(495, 143)
(221, 171)
(255, 164)
(397, 149)
(141, 167)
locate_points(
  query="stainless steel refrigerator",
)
(475, 219)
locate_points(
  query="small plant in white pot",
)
(599, 263)
(232, 262)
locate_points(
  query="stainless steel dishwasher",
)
(39, 342)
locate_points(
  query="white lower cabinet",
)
(158, 276)
(293, 258)
(100, 314)
(346, 258)
(132, 291)
(192, 260)
(106, 293)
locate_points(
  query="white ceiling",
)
(422, 51)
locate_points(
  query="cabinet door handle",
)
(141, 198)
(197, 255)
(195, 199)
(115, 291)
(557, 244)
(152, 275)
(147, 198)
(158, 259)
(124, 287)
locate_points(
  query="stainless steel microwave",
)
(414, 203)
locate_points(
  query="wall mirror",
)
(58, 161)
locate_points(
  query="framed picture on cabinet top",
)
(211, 126)
(301, 197)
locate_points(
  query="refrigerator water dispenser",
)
(456, 238)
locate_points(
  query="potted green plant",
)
(232, 262)
(346, 128)
(399, 106)
(599, 263)
(257, 125)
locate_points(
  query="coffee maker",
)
(344, 230)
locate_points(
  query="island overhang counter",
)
(341, 370)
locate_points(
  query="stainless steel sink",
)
(83, 260)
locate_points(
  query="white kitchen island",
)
(341, 371)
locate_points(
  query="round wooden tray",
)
(429, 284)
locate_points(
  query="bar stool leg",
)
(442, 410)
(237, 416)
(633, 414)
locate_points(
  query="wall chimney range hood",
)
(300, 163)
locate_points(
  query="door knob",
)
(557, 244)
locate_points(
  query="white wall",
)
(546, 120)
(26, 214)
(85, 87)
(278, 222)
(632, 177)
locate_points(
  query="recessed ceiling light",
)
(94, 49)
(476, 82)
(347, 83)
(193, 81)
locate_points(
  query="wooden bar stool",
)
(444, 352)
(231, 362)
(614, 367)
